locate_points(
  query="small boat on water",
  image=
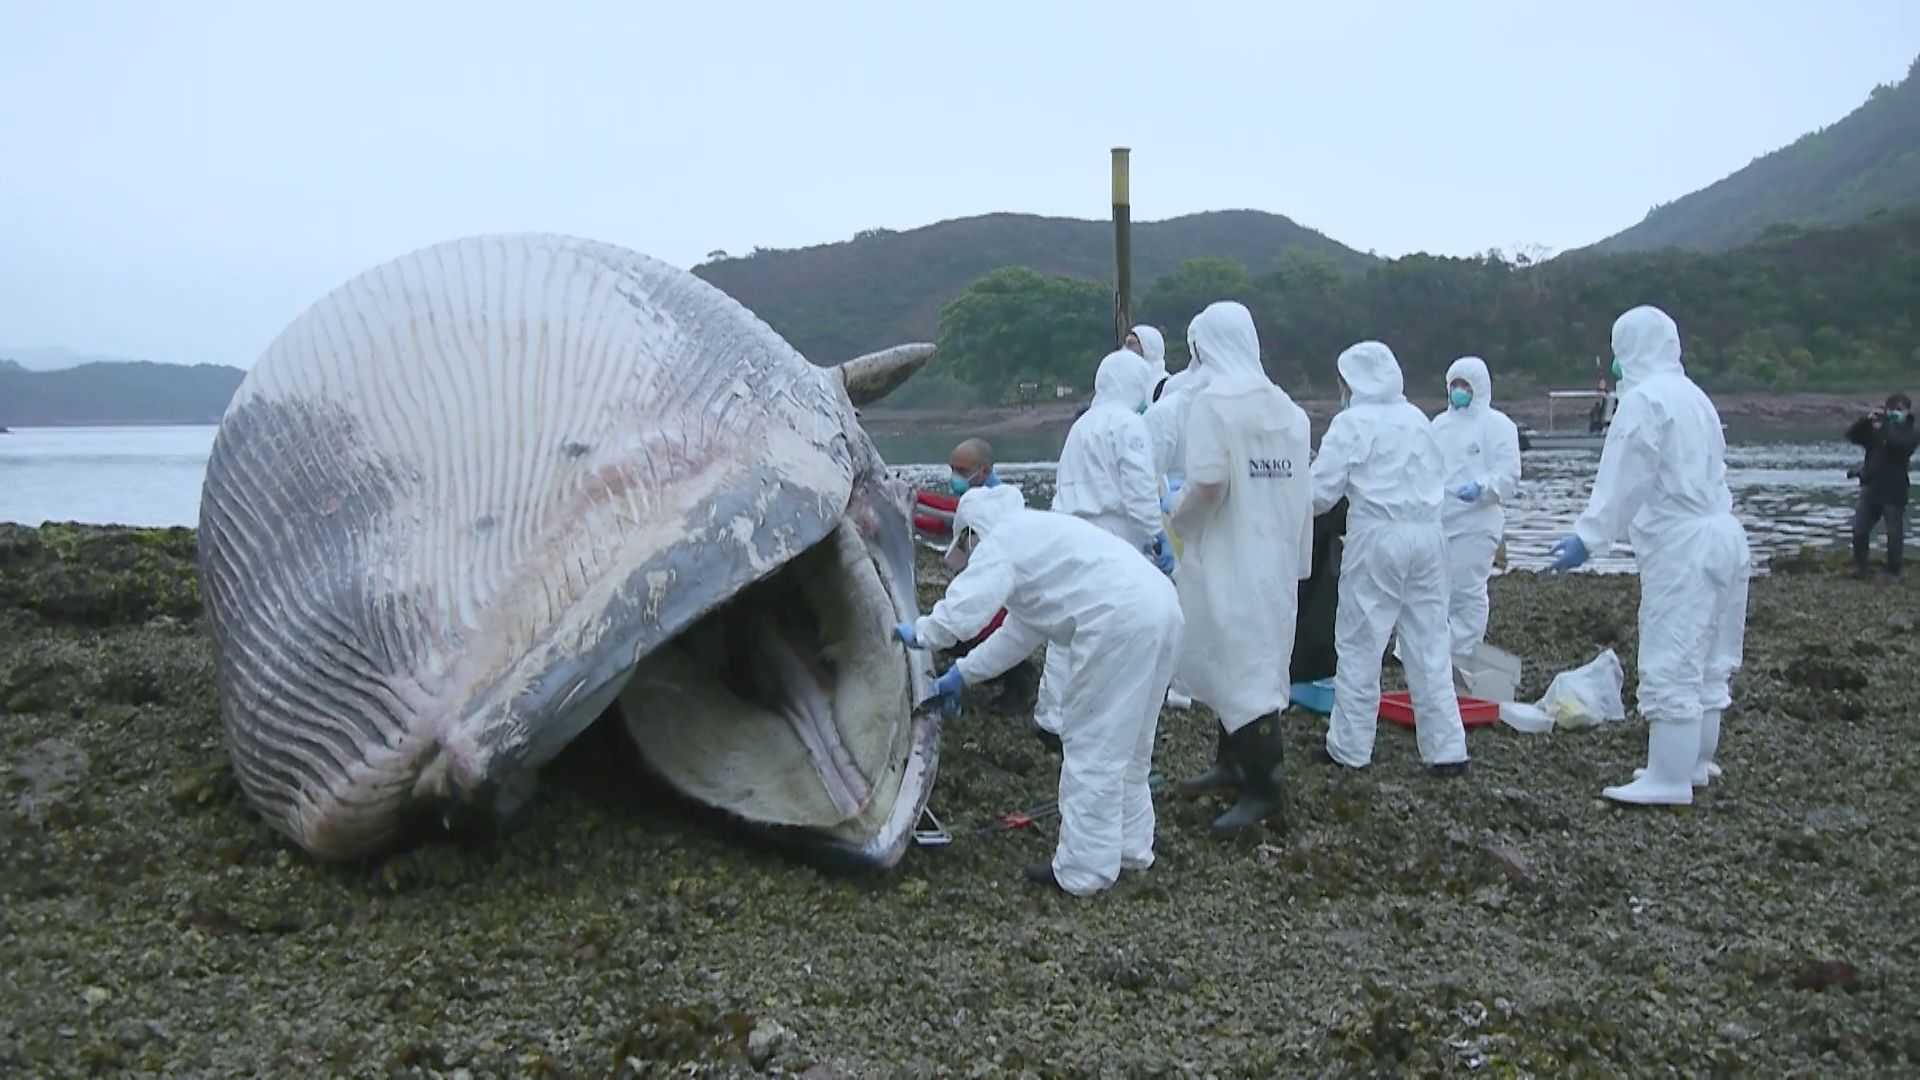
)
(1591, 435)
(1594, 437)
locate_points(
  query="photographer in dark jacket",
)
(1887, 434)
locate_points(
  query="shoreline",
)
(1011, 419)
(1003, 420)
(1393, 922)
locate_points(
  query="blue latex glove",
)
(947, 688)
(1468, 492)
(1162, 554)
(1166, 501)
(1567, 554)
(904, 631)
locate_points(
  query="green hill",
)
(839, 300)
(1813, 310)
(1841, 174)
(132, 392)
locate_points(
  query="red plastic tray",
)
(1397, 708)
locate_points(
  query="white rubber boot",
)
(1178, 700)
(1704, 769)
(1672, 750)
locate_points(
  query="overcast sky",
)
(178, 180)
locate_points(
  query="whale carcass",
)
(474, 496)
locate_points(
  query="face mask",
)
(1616, 369)
(1898, 416)
(1141, 408)
(1460, 398)
(1346, 399)
(958, 484)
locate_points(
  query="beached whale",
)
(462, 500)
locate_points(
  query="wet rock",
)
(204, 786)
(1900, 622)
(1511, 860)
(39, 680)
(1816, 672)
(51, 771)
(1818, 975)
(766, 1039)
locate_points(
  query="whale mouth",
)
(791, 706)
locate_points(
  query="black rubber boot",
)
(1259, 753)
(1041, 873)
(1224, 776)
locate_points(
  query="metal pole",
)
(1122, 248)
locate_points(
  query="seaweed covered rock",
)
(87, 575)
(1511, 924)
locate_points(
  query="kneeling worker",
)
(1078, 588)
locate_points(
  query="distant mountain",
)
(834, 301)
(53, 358)
(125, 392)
(1866, 163)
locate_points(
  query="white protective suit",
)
(1077, 588)
(1480, 445)
(1153, 347)
(1105, 477)
(1662, 483)
(1167, 418)
(1106, 473)
(1381, 455)
(1246, 523)
(1167, 427)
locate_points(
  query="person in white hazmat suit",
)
(1167, 427)
(1662, 484)
(1245, 513)
(1481, 450)
(1106, 477)
(1152, 347)
(1167, 417)
(1380, 454)
(1079, 588)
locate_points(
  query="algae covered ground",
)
(1509, 923)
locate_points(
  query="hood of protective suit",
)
(1474, 371)
(1123, 379)
(1154, 348)
(1372, 373)
(982, 508)
(1225, 335)
(1647, 343)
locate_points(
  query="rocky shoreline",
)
(1531, 408)
(1511, 923)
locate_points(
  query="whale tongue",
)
(782, 707)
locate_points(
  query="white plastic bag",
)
(1588, 695)
(1521, 716)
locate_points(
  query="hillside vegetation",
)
(835, 301)
(1817, 310)
(1867, 162)
(135, 392)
